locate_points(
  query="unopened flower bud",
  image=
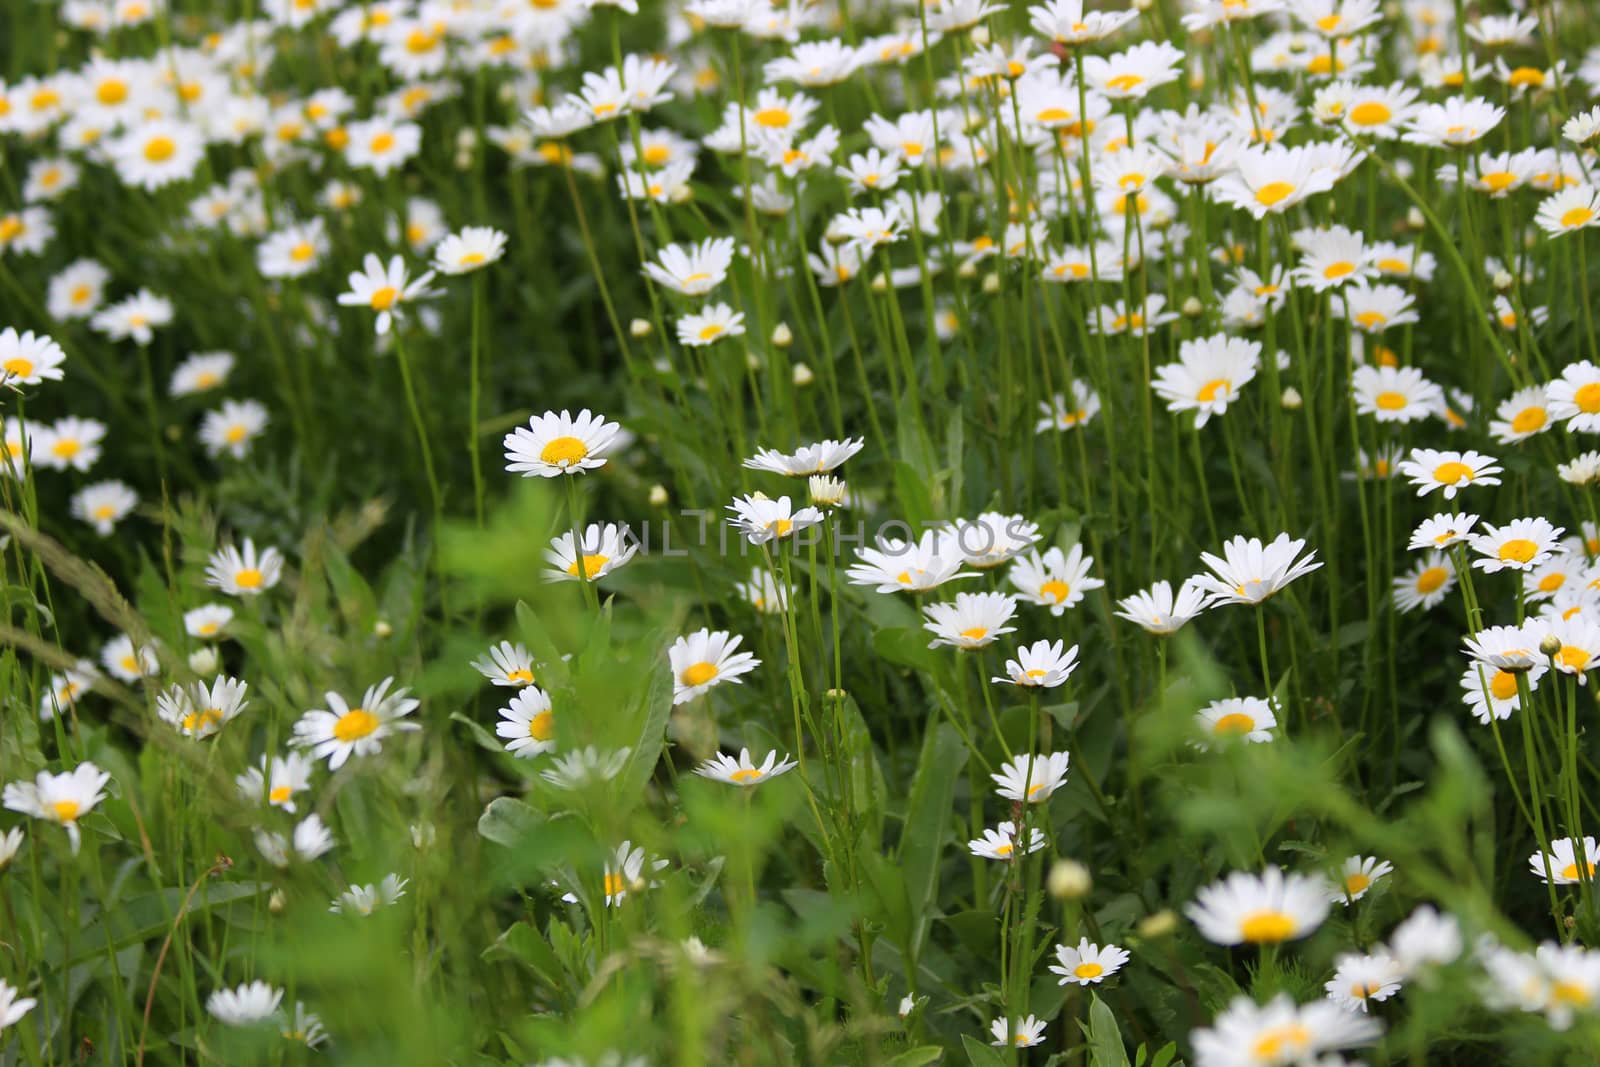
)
(658, 496)
(382, 628)
(967, 270)
(1160, 924)
(1291, 399)
(276, 902)
(880, 282)
(752, 361)
(1192, 307)
(1069, 880)
(803, 376)
(991, 283)
(203, 660)
(782, 337)
(1415, 220)
(640, 327)
(980, 35)
(1503, 280)
(682, 194)
(1551, 645)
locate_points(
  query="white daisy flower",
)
(1263, 908)
(340, 731)
(244, 572)
(705, 659)
(554, 444)
(972, 621)
(1031, 778)
(1088, 963)
(59, 798)
(741, 771)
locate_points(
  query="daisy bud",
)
(837, 694)
(658, 496)
(381, 628)
(1141, 5)
(1503, 280)
(752, 361)
(276, 902)
(1291, 399)
(1069, 880)
(203, 660)
(802, 375)
(1161, 924)
(980, 35)
(991, 283)
(423, 835)
(781, 336)
(639, 327)
(826, 492)
(682, 194)
(1415, 220)
(1551, 645)
(880, 282)
(1192, 308)
(967, 270)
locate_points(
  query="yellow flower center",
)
(1569, 992)
(383, 299)
(1208, 392)
(1570, 871)
(302, 252)
(279, 794)
(1577, 216)
(1431, 579)
(1523, 77)
(66, 810)
(1338, 270)
(1518, 550)
(564, 450)
(197, 722)
(520, 676)
(471, 259)
(66, 448)
(774, 118)
(1390, 401)
(1267, 926)
(1452, 473)
(355, 724)
(1056, 590)
(542, 727)
(1274, 193)
(711, 331)
(1587, 398)
(80, 294)
(11, 228)
(19, 366)
(1573, 658)
(235, 433)
(1528, 420)
(160, 149)
(106, 512)
(1372, 319)
(1088, 970)
(698, 673)
(1371, 113)
(657, 154)
(592, 565)
(1356, 883)
(745, 774)
(248, 578)
(614, 884)
(112, 91)
(1503, 685)
(420, 41)
(381, 142)
(975, 633)
(1125, 83)
(1236, 722)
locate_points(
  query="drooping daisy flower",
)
(363, 900)
(302, 1026)
(904, 566)
(705, 659)
(1088, 963)
(1208, 375)
(1425, 939)
(761, 519)
(624, 873)
(741, 771)
(527, 723)
(1018, 1033)
(1032, 778)
(1248, 719)
(1426, 583)
(384, 288)
(276, 784)
(244, 573)
(59, 798)
(506, 664)
(1510, 648)
(1559, 865)
(603, 550)
(554, 444)
(1250, 572)
(474, 248)
(819, 458)
(1055, 580)
(29, 358)
(1263, 908)
(1359, 979)
(1042, 664)
(972, 621)
(585, 767)
(1001, 843)
(310, 839)
(340, 731)
(1161, 612)
(247, 1005)
(992, 538)
(1491, 692)
(1521, 544)
(201, 710)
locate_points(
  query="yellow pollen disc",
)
(66, 448)
(710, 331)
(1587, 398)
(1394, 266)
(106, 512)
(384, 299)
(45, 98)
(1570, 871)
(1125, 83)
(564, 450)
(1526, 76)
(542, 727)
(206, 629)
(1370, 319)
(1338, 270)
(235, 434)
(1567, 992)
(745, 774)
(1056, 590)
(1498, 181)
(657, 154)
(1329, 23)
(1321, 64)
(1371, 113)
(1004, 849)
(1503, 685)
(592, 565)
(1234, 723)
(337, 138)
(1015, 69)
(355, 724)
(1034, 788)
(1529, 420)
(1573, 657)
(302, 252)
(1088, 970)
(1518, 550)
(1452, 473)
(1267, 927)
(1035, 673)
(913, 149)
(111, 92)
(773, 118)
(81, 294)
(381, 142)
(1356, 883)
(248, 578)
(697, 276)
(160, 149)
(1274, 193)
(521, 677)
(698, 673)
(279, 794)
(66, 810)
(1361, 990)
(195, 722)
(1552, 582)
(1390, 401)
(975, 633)
(129, 664)
(1576, 217)
(614, 886)
(472, 259)
(1431, 579)
(1381, 468)
(420, 41)
(1208, 392)
(20, 367)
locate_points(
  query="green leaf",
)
(981, 1055)
(1105, 1038)
(149, 916)
(927, 824)
(655, 708)
(917, 1057)
(508, 821)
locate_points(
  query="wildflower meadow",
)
(659, 533)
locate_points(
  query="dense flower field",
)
(885, 532)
